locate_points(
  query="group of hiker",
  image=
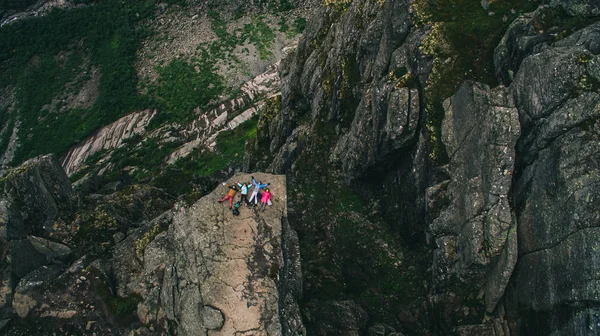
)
(244, 188)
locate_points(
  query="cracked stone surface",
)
(235, 258)
(476, 234)
(210, 271)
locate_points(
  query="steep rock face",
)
(476, 234)
(35, 204)
(554, 287)
(347, 135)
(203, 270)
(579, 7)
(352, 118)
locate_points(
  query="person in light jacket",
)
(257, 187)
(244, 187)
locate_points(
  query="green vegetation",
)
(298, 28)
(15, 4)
(124, 306)
(43, 57)
(339, 5)
(348, 249)
(147, 238)
(48, 60)
(257, 32)
(144, 161)
(183, 86)
(300, 24)
(95, 230)
(461, 42)
(229, 152)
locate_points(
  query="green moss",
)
(147, 238)
(338, 5)
(271, 109)
(94, 234)
(461, 42)
(122, 307)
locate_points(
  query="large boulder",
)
(36, 195)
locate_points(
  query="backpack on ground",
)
(236, 208)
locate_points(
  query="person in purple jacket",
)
(257, 187)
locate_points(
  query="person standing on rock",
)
(230, 194)
(257, 187)
(264, 200)
(244, 187)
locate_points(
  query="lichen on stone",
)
(147, 238)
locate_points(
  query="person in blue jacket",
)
(244, 187)
(257, 187)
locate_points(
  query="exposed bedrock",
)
(555, 287)
(475, 234)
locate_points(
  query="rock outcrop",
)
(346, 135)
(200, 132)
(557, 186)
(476, 235)
(190, 270)
(108, 138)
(509, 218)
(203, 270)
(36, 200)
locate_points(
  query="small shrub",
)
(299, 24)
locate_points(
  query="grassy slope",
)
(46, 60)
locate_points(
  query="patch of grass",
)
(229, 151)
(147, 238)
(179, 178)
